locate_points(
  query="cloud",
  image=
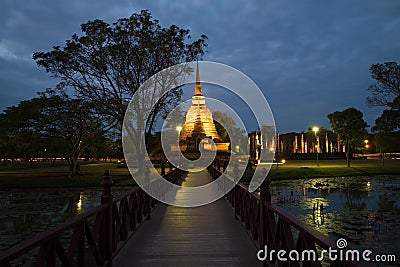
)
(307, 56)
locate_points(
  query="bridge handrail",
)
(270, 225)
(38, 239)
(97, 234)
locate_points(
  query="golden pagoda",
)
(199, 122)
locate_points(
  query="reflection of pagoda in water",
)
(199, 124)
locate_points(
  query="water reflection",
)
(24, 213)
(364, 210)
(318, 211)
(79, 204)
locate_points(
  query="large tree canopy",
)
(18, 136)
(386, 88)
(52, 124)
(108, 63)
(386, 92)
(71, 120)
(351, 127)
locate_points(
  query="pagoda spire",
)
(197, 90)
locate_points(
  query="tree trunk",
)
(141, 162)
(30, 162)
(72, 164)
(348, 152)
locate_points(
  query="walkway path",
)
(202, 236)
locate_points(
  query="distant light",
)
(368, 184)
(179, 128)
(79, 204)
(315, 129)
(283, 161)
(366, 141)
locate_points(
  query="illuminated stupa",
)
(199, 113)
(199, 122)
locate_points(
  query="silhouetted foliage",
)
(222, 120)
(386, 92)
(108, 63)
(386, 89)
(51, 125)
(351, 127)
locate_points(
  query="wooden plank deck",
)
(202, 236)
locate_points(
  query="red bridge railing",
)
(269, 225)
(92, 238)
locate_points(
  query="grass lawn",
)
(90, 175)
(332, 168)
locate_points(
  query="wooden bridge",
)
(120, 232)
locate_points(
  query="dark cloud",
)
(310, 58)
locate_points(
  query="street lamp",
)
(366, 144)
(366, 148)
(316, 129)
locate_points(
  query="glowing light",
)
(79, 204)
(283, 161)
(366, 143)
(315, 129)
(179, 128)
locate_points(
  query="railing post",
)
(265, 201)
(265, 194)
(162, 168)
(106, 198)
(236, 179)
(147, 196)
(170, 166)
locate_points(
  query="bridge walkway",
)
(201, 236)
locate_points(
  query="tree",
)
(51, 123)
(108, 63)
(387, 122)
(386, 139)
(386, 89)
(227, 121)
(226, 128)
(351, 127)
(71, 119)
(54, 147)
(386, 93)
(20, 140)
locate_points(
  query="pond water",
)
(363, 210)
(24, 213)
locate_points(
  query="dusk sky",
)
(310, 58)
